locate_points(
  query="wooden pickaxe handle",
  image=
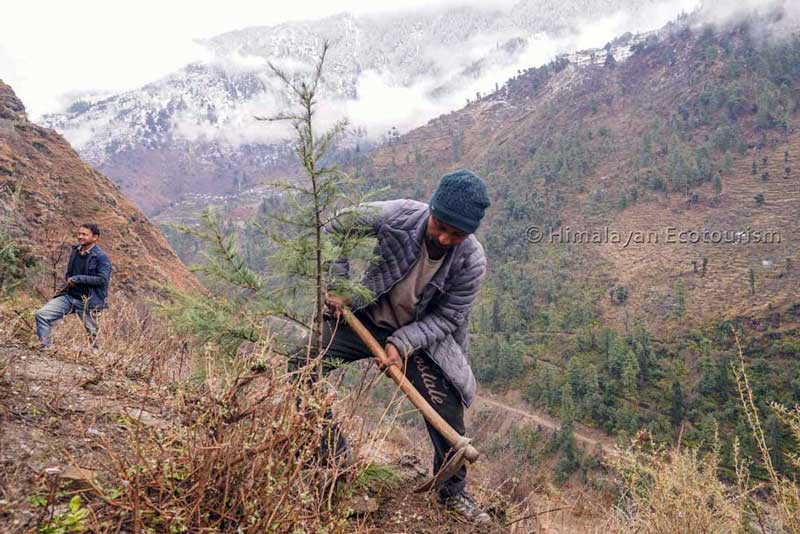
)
(431, 415)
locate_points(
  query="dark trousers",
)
(421, 371)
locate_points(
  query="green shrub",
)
(73, 520)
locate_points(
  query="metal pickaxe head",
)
(463, 453)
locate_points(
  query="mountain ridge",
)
(194, 129)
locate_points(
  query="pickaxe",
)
(463, 450)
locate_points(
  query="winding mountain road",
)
(588, 438)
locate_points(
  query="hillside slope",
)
(694, 130)
(53, 191)
(638, 147)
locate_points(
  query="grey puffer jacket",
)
(440, 325)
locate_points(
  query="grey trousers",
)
(58, 308)
(421, 371)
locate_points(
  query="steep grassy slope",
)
(636, 147)
(49, 191)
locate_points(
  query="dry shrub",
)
(241, 459)
(237, 455)
(784, 511)
(16, 319)
(132, 339)
(678, 490)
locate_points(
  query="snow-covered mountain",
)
(194, 131)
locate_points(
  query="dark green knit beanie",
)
(460, 200)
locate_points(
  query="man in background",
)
(85, 289)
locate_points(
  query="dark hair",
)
(92, 227)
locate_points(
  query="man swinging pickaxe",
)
(430, 270)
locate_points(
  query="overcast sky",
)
(51, 47)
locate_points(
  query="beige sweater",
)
(397, 308)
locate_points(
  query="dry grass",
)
(680, 490)
(785, 492)
(133, 340)
(230, 450)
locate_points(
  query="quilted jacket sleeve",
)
(451, 311)
(365, 219)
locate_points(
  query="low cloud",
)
(240, 126)
(82, 135)
(778, 18)
(383, 101)
(238, 63)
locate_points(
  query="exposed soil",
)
(58, 410)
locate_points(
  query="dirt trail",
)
(588, 437)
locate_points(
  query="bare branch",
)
(325, 46)
(278, 117)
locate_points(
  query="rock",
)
(78, 474)
(71, 473)
(11, 107)
(146, 418)
(410, 467)
(362, 504)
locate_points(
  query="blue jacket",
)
(440, 325)
(98, 274)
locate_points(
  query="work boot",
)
(340, 453)
(464, 505)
